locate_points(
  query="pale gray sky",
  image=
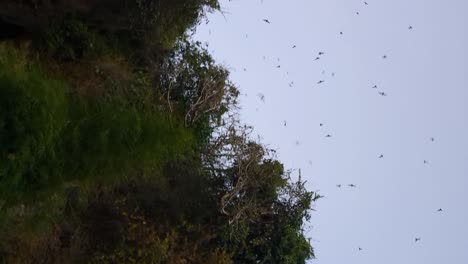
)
(425, 77)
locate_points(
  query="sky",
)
(425, 79)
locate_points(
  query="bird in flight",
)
(359, 248)
(321, 81)
(351, 185)
(297, 143)
(284, 123)
(357, 13)
(317, 58)
(261, 96)
(384, 56)
(439, 210)
(338, 185)
(321, 124)
(266, 21)
(278, 66)
(366, 3)
(294, 46)
(375, 86)
(333, 74)
(328, 136)
(341, 32)
(410, 27)
(382, 94)
(417, 239)
(432, 139)
(381, 156)
(426, 162)
(321, 53)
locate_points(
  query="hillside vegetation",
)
(120, 143)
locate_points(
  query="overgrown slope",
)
(120, 143)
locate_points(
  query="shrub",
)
(33, 114)
(48, 138)
(70, 39)
(109, 139)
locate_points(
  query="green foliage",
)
(166, 25)
(48, 138)
(276, 235)
(70, 39)
(109, 138)
(33, 115)
(132, 151)
(198, 87)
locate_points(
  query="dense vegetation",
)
(120, 143)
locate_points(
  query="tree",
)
(200, 88)
(265, 209)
